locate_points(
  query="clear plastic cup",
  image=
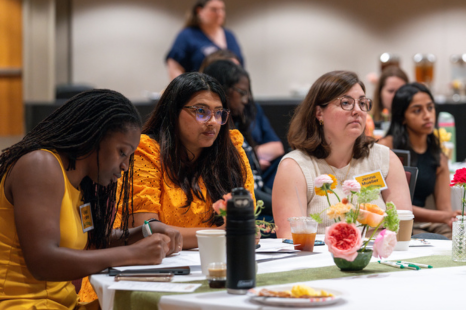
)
(303, 230)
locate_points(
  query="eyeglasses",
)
(347, 103)
(243, 93)
(203, 115)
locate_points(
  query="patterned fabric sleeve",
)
(237, 139)
(146, 179)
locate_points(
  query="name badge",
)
(374, 178)
(86, 217)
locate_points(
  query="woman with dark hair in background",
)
(203, 34)
(327, 135)
(57, 199)
(236, 84)
(390, 80)
(412, 128)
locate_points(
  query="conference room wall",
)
(287, 44)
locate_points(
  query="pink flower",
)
(351, 186)
(221, 204)
(322, 179)
(384, 244)
(343, 240)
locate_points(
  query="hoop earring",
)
(321, 122)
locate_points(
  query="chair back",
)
(411, 176)
(404, 156)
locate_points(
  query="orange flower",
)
(319, 191)
(339, 210)
(370, 214)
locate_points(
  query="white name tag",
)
(86, 217)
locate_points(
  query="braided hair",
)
(76, 130)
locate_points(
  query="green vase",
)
(360, 262)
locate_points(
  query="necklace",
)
(333, 171)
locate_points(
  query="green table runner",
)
(149, 300)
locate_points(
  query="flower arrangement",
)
(459, 228)
(459, 180)
(265, 228)
(344, 238)
(443, 136)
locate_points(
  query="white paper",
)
(267, 247)
(185, 258)
(154, 287)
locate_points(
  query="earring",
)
(321, 122)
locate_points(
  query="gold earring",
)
(321, 122)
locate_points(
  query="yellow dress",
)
(18, 288)
(155, 193)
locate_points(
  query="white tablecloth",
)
(426, 289)
(303, 260)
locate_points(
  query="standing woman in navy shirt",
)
(203, 34)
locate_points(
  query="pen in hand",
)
(146, 230)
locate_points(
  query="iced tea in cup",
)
(303, 230)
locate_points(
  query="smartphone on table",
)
(316, 243)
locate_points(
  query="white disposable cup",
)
(212, 248)
(403, 237)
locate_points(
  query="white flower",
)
(322, 179)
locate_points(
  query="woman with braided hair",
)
(58, 201)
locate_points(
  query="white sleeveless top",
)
(312, 167)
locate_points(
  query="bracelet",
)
(153, 220)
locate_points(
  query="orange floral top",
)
(154, 192)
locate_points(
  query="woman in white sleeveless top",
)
(327, 135)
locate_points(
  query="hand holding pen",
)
(176, 239)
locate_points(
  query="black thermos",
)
(241, 247)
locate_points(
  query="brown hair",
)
(193, 19)
(377, 106)
(217, 55)
(306, 134)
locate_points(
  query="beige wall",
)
(287, 44)
(39, 50)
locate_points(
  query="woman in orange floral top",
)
(186, 160)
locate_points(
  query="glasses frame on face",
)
(354, 103)
(243, 93)
(210, 114)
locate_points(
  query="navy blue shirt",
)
(261, 130)
(191, 46)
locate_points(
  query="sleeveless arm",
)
(289, 184)
(37, 185)
(398, 189)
